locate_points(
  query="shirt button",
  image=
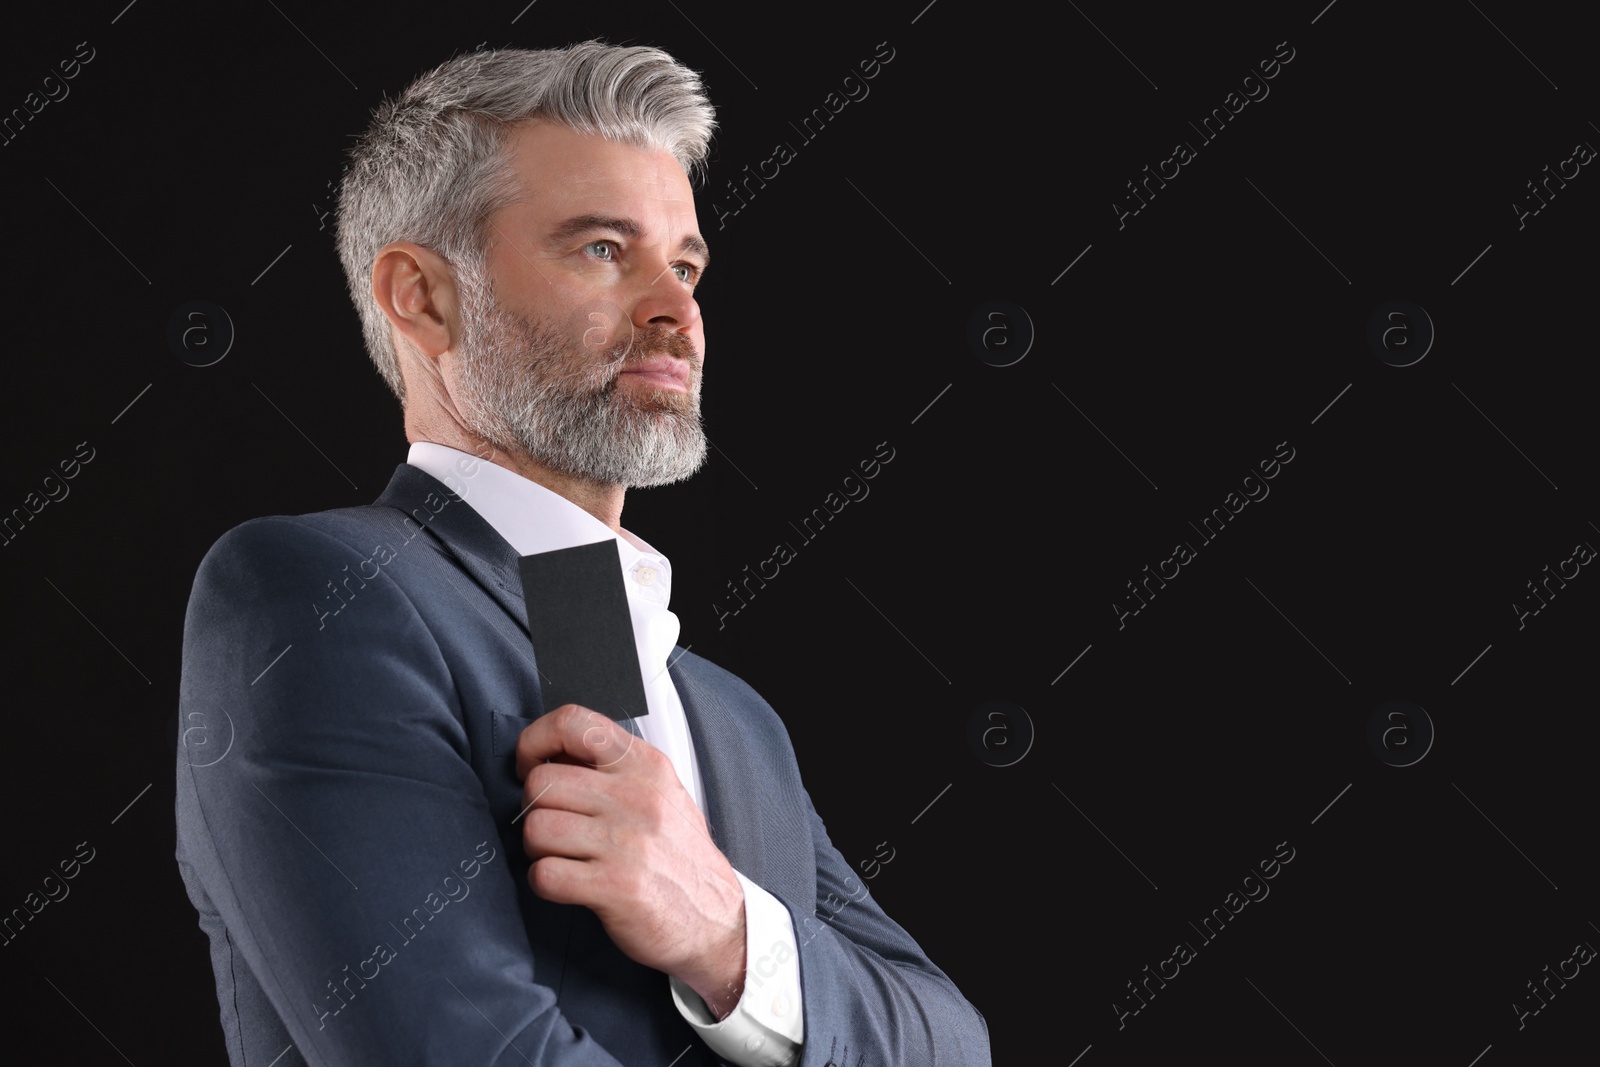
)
(645, 575)
(754, 1042)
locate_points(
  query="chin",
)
(657, 399)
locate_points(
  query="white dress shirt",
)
(766, 1028)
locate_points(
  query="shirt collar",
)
(529, 516)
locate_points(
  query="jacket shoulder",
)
(283, 539)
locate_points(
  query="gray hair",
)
(433, 166)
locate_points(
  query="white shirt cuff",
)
(767, 1027)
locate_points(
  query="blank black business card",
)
(582, 632)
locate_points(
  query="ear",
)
(416, 290)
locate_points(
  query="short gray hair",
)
(433, 166)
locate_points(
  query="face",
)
(583, 345)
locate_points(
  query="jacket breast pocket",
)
(504, 729)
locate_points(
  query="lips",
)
(673, 373)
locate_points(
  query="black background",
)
(192, 160)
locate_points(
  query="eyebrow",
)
(579, 225)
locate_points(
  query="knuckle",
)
(596, 739)
(658, 813)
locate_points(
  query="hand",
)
(609, 826)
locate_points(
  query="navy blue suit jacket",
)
(353, 685)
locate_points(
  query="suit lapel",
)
(726, 769)
(462, 533)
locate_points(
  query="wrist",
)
(721, 983)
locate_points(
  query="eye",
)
(686, 272)
(608, 247)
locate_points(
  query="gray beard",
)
(524, 387)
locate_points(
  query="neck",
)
(602, 501)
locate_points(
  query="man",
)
(403, 856)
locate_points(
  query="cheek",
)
(595, 325)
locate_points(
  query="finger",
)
(566, 787)
(603, 888)
(561, 880)
(556, 735)
(547, 832)
(576, 732)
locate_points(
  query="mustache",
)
(650, 343)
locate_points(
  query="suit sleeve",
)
(871, 995)
(343, 836)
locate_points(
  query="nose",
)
(665, 300)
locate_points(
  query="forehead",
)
(565, 172)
